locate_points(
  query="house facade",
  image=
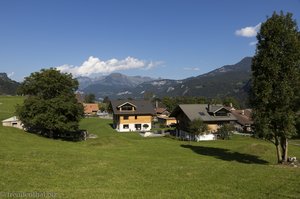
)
(166, 121)
(132, 115)
(213, 115)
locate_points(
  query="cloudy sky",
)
(158, 38)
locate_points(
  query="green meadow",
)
(126, 165)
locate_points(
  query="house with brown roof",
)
(213, 115)
(162, 111)
(132, 115)
(244, 121)
(90, 109)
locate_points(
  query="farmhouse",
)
(212, 115)
(244, 121)
(13, 122)
(132, 115)
(90, 109)
(162, 111)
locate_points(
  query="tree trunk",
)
(279, 158)
(284, 147)
(286, 150)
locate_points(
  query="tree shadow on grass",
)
(225, 154)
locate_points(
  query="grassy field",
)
(126, 165)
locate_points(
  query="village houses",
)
(213, 115)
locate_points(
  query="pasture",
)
(126, 165)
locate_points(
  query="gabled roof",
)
(142, 107)
(126, 103)
(201, 111)
(214, 108)
(11, 119)
(244, 117)
(160, 110)
(89, 108)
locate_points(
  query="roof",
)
(214, 108)
(126, 103)
(89, 108)
(142, 107)
(244, 117)
(160, 110)
(202, 111)
(11, 119)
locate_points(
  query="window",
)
(126, 108)
(125, 126)
(138, 126)
(145, 126)
(126, 117)
(221, 113)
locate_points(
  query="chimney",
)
(230, 105)
(156, 104)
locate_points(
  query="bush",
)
(225, 131)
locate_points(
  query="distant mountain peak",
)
(4, 76)
(8, 86)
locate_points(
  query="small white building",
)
(13, 122)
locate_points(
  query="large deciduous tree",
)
(51, 107)
(275, 81)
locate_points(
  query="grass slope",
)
(125, 165)
(7, 105)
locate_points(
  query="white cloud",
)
(192, 68)
(95, 65)
(153, 64)
(250, 31)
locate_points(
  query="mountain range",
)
(228, 80)
(112, 85)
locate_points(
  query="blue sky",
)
(158, 38)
